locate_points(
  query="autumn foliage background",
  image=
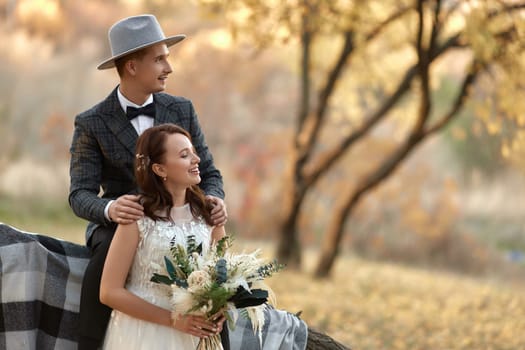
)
(433, 258)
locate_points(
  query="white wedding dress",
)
(127, 333)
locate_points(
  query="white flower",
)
(201, 293)
(256, 316)
(205, 309)
(181, 300)
(198, 279)
(235, 282)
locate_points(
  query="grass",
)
(370, 305)
(44, 217)
(366, 305)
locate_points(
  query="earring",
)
(164, 178)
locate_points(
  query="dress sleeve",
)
(145, 225)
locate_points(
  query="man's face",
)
(151, 71)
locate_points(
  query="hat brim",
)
(170, 41)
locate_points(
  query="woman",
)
(167, 172)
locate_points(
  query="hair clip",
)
(142, 162)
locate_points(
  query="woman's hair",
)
(151, 149)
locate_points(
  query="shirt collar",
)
(124, 102)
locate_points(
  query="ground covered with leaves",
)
(374, 306)
(368, 305)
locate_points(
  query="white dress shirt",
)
(140, 123)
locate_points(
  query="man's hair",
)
(121, 61)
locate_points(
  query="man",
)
(103, 190)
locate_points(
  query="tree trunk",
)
(332, 240)
(289, 248)
(321, 341)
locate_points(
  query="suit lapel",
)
(162, 112)
(117, 122)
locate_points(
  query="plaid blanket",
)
(281, 331)
(40, 290)
(40, 280)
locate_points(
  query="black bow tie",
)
(149, 110)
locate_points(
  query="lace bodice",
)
(156, 237)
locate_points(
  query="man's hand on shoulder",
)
(126, 209)
(219, 214)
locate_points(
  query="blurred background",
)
(375, 147)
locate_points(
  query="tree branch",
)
(329, 87)
(376, 31)
(416, 136)
(391, 163)
(333, 77)
(337, 152)
(507, 9)
(469, 80)
(423, 68)
(304, 104)
(306, 41)
(436, 28)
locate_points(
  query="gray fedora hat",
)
(135, 33)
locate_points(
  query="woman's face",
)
(181, 163)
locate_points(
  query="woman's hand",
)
(218, 319)
(197, 326)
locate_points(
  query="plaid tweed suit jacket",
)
(103, 153)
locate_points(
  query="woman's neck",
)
(178, 197)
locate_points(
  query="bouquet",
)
(217, 281)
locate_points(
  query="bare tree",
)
(359, 25)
